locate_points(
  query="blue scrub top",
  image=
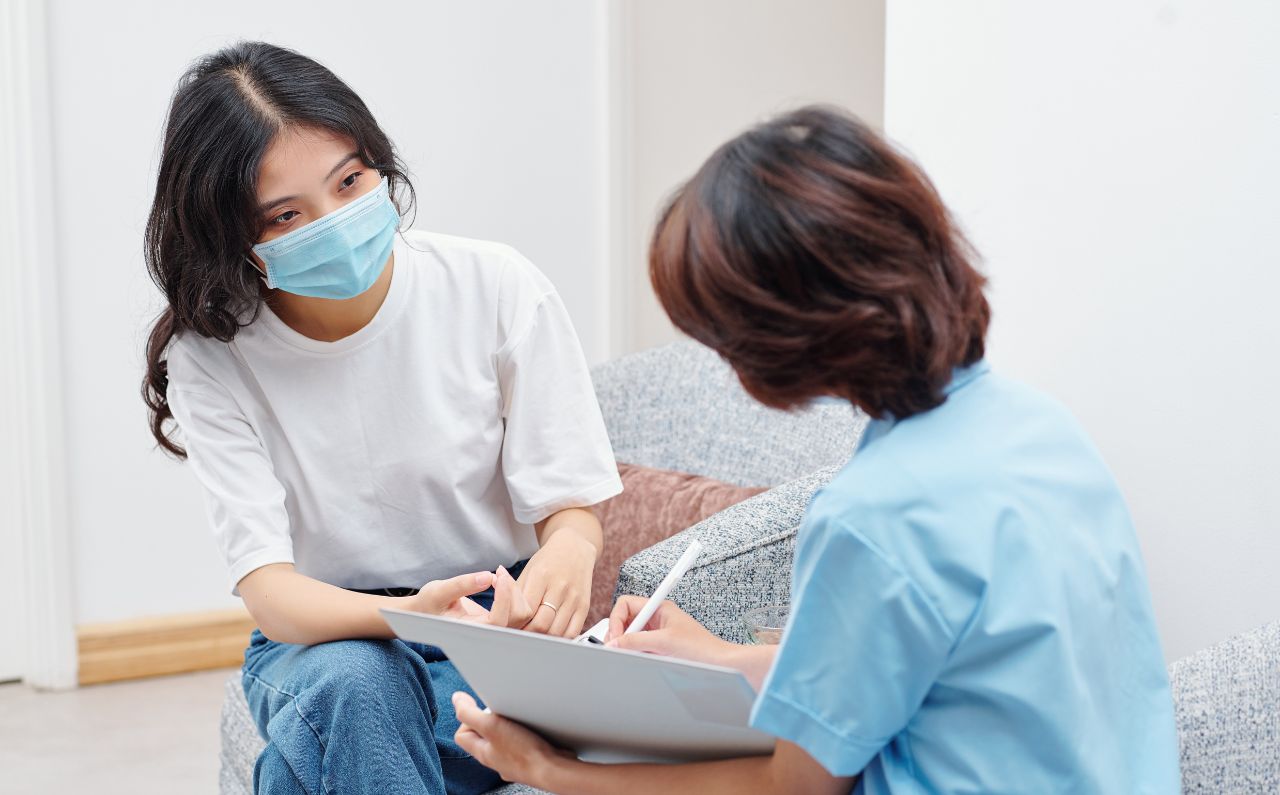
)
(970, 612)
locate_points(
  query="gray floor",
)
(150, 736)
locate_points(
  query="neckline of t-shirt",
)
(961, 377)
(394, 301)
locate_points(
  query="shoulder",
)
(975, 436)
(946, 479)
(495, 274)
(455, 247)
(197, 363)
(493, 280)
(497, 260)
(998, 481)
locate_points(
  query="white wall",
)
(698, 73)
(496, 108)
(1117, 164)
(13, 617)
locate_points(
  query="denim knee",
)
(345, 677)
(272, 774)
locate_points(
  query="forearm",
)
(753, 661)
(293, 608)
(729, 776)
(673, 633)
(578, 523)
(789, 770)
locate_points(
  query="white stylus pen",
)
(664, 588)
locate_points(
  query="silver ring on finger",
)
(554, 609)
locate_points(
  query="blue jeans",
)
(360, 716)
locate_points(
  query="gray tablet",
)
(606, 705)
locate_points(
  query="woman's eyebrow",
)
(267, 205)
(351, 156)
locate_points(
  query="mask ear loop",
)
(258, 271)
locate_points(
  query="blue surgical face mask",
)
(338, 256)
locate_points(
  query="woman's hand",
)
(557, 579)
(449, 597)
(510, 607)
(670, 632)
(502, 745)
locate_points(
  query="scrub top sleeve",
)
(244, 500)
(555, 451)
(861, 650)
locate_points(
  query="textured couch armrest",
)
(746, 563)
(1227, 705)
(240, 742)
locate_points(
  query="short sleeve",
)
(861, 650)
(244, 499)
(555, 450)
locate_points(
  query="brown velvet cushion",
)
(655, 504)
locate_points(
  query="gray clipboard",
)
(606, 705)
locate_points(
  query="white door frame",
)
(28, 241)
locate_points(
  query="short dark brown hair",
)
(817, 260)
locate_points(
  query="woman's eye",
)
(285, 217)
(350, 180)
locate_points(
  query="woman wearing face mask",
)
(969, 610)
(367, 411)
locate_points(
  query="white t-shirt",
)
(424, 445)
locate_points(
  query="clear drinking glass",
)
(764, 624)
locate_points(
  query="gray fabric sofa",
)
(1227, 703)
(680, 407)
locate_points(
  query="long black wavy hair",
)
(225, 112)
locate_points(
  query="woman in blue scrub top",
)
(969, 612)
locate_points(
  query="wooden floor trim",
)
(117, 650)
